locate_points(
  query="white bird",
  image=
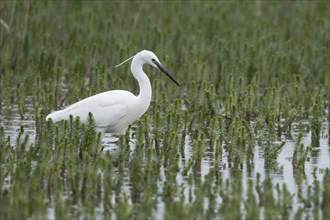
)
(115, 110)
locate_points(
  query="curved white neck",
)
(143, 80)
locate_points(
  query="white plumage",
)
(115, 110)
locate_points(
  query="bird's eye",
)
(153, 60)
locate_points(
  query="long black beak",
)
(161, 68)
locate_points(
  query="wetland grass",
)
(246, 136)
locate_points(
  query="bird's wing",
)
(109, 115)
(107, 108)
(104, 115)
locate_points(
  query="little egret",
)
(115, 110)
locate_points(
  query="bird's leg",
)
(110, 144)
(117, 141)
(110, 139)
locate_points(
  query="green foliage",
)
(249, 80)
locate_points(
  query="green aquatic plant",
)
(271, 152)
(251, 204)
(300, 154)
(326, 195)
(316, 126)
(250, 83)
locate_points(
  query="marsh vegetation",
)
(246, 135)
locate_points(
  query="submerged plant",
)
(316, 126)
(300, 154)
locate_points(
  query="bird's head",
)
(150, 58)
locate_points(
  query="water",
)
(319, 160)
(12, 122)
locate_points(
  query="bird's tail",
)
(55, 116)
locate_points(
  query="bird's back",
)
(106, 107)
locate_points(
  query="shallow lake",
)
(281, 174)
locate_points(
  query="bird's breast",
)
(134, 111)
